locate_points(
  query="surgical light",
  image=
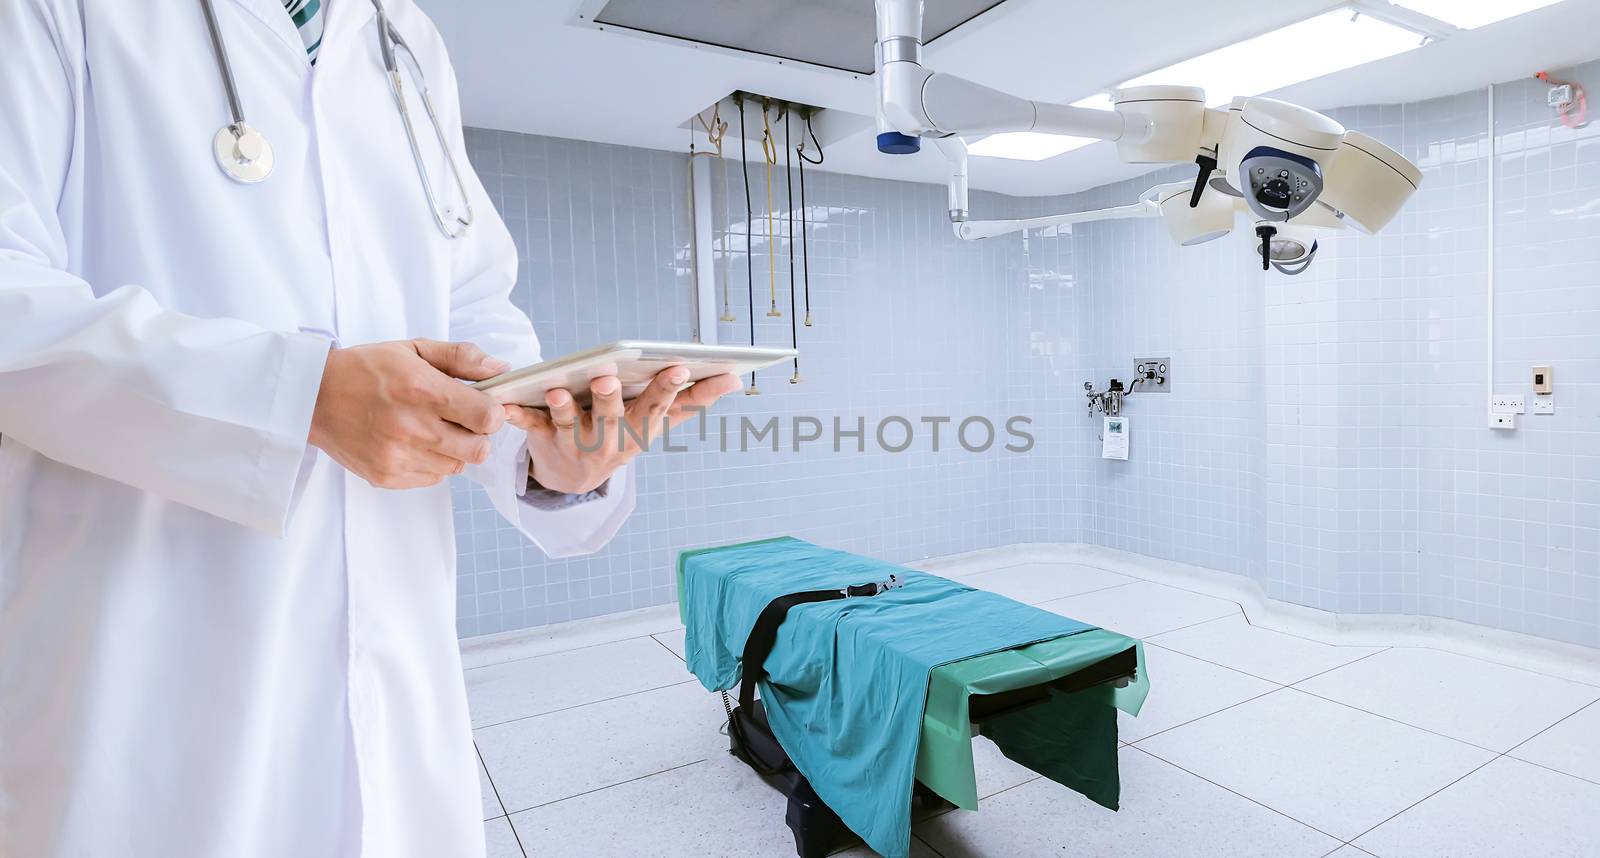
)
(1291, 168)
(1317, 46)
(1027, 145)
(1192, 225)
(1469, 14)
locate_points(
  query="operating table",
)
(1045, 689)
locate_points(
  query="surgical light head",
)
(1279, 185)
(1273, 153)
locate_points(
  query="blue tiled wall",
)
(908, 322)
(1325, 434)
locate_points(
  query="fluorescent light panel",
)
(1468, 14)
(1026, 145)
(1309, 49)
(1033, 146)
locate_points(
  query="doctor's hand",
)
(560, 464)
(394, 414)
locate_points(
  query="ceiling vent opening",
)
(835, 34)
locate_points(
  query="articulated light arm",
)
(955, 152)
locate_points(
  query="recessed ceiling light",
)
(1468, 14)
(1026, 145)
(1311, 48)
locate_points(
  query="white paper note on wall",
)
(1114, 438)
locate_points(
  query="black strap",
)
(765, 634)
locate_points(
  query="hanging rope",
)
(788, 183)
(715, 130)
(749, 219)
(769, 153)
(694, 246)
(727, 242)
(805, 221)
(811, 132)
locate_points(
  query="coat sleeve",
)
(105, 379)
(484, 270)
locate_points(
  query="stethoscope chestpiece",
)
(242, 152)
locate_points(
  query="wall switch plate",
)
(1544, 380)
(1544, 405)
(1505, 403)
(1154, 375)
(1502, 421)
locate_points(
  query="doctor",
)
(234, 303)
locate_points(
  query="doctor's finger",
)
(459, 360)
(605, 394)
(563, 410)
(528, 419)
(438, 465)
(471, 409)
(658, 397)
(701, 396)
(459, 444)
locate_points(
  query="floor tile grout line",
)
(1512, 752)
(929, 846)
(1250, 699)
(1497, 754)
(668, 648)
(581, 705)
(490, 778)
(604, 788)
(1268, 807)
(1246, 616)
(1041, 603)
(1159, 645)
(1356, 660)
(981, 799)
(1394, 720)
(1076, 595)
(1419, 801)
(498, 800)
(566, 651)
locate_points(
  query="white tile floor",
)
(1253, 742)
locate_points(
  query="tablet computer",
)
(633, 362)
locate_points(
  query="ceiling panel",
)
(832, 33)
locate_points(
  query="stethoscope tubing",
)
(224, 65)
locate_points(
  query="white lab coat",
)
(214, 641)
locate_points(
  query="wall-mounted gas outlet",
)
(1502, 421)
(1506, 403)
(1152, 375)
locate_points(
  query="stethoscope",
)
(244, 154)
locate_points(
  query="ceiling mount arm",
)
(915, 102)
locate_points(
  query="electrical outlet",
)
(1502, 421)
(1544, 405)
(1505, 403)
